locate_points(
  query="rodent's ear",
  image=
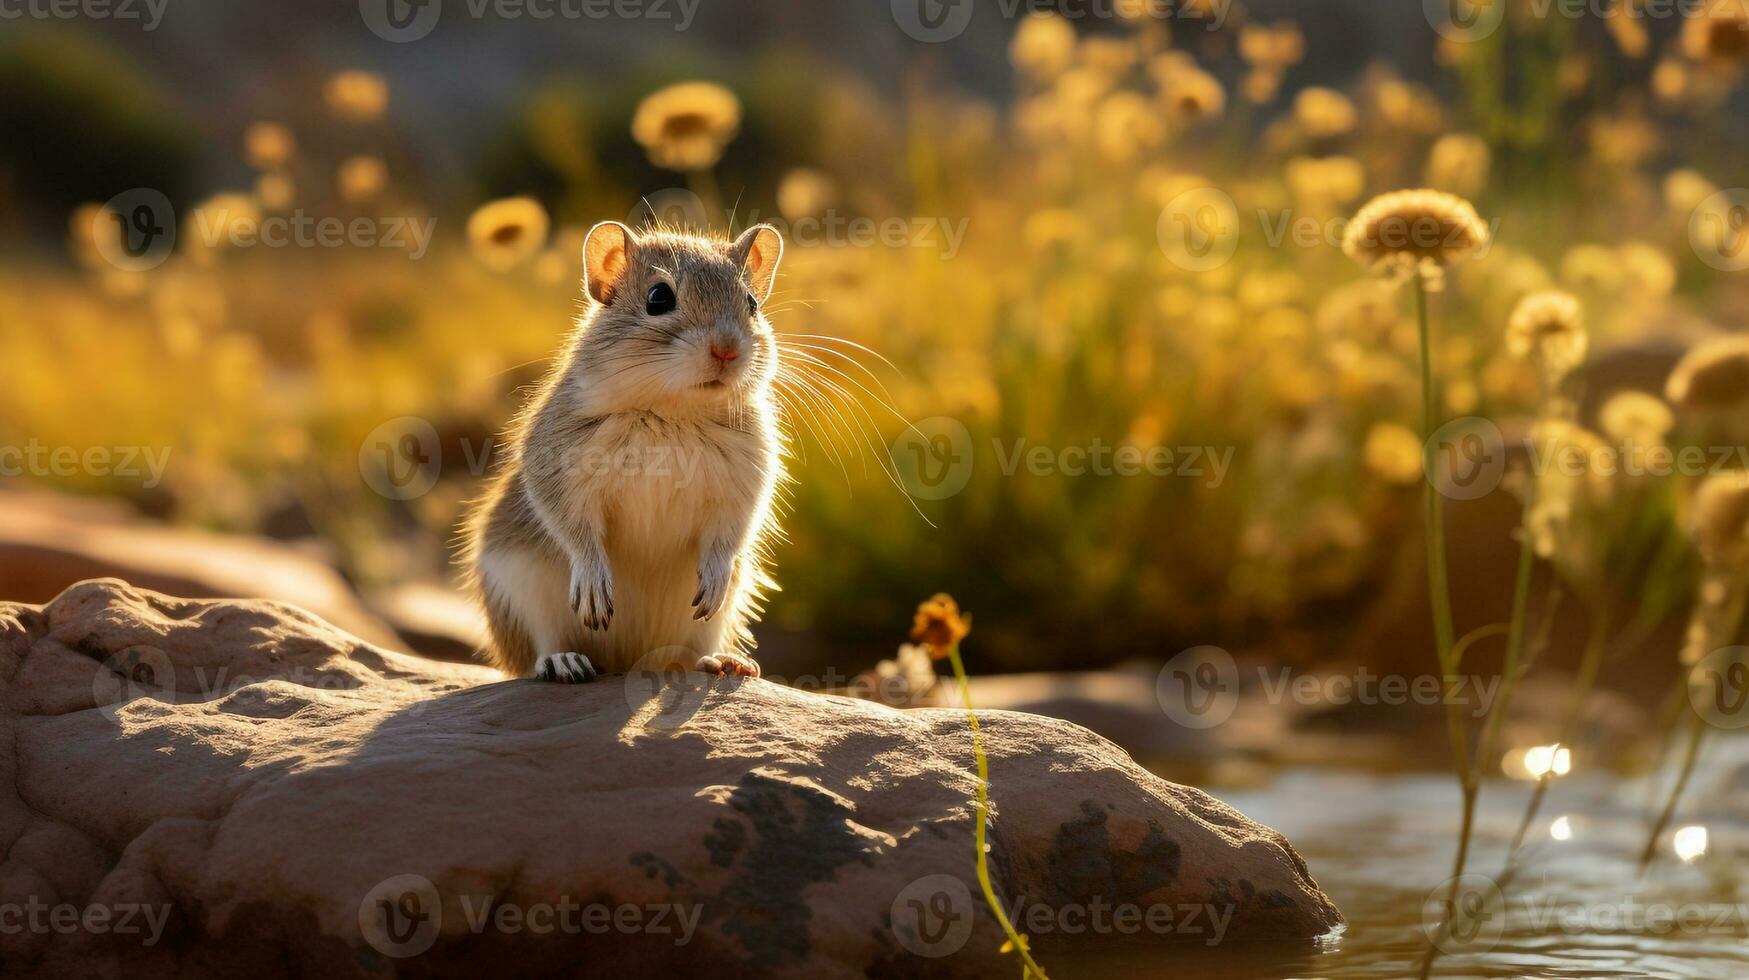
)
(758, 250)
(607, 254)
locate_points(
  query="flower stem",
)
(1589, 664)
(1439, 598)
(983, 816)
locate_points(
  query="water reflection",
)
(1577, 907)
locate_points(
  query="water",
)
(1379, 844)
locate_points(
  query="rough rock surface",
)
(258, 793)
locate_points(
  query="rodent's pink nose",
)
(724, 352)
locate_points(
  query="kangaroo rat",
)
(628, 528)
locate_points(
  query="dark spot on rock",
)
(1274, 899)
(792, 834)
(1084, 865)
(728, 840)
(654, 866)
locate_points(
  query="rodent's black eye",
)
(660, 300)
(752, 305)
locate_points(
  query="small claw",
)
(565, 668)
(727, 665)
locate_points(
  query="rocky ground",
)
(259, 792)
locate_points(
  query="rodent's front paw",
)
(592, 593)
(728, 665)
(565, 668)
(713, 588)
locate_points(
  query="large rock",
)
(207, 788)
(50, 541)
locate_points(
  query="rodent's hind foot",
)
(565, 668)
(728, 665)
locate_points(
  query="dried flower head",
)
(1685, 190)
(276, 192)
(1272, 46)
(806, 193)
(357, 96)
(267, 145)
(1459, 163)
(505, 233)
(1394, 453)
(1191, 95)
(1574, 473)
(1548, 328)
(361, 178)
(1043, 46)
(1324, 112)
(1635, 417)
(1720, 522)
(939, 625)
(1713, 376)
(686, 126)
(1326, 180)
(1126, 126)
(1719, 33)
(1415, 231)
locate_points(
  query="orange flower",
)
(939, 625)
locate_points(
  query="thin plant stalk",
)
(1031, 968)
(1691, 753)
(1439, 597)
(1590, 665)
